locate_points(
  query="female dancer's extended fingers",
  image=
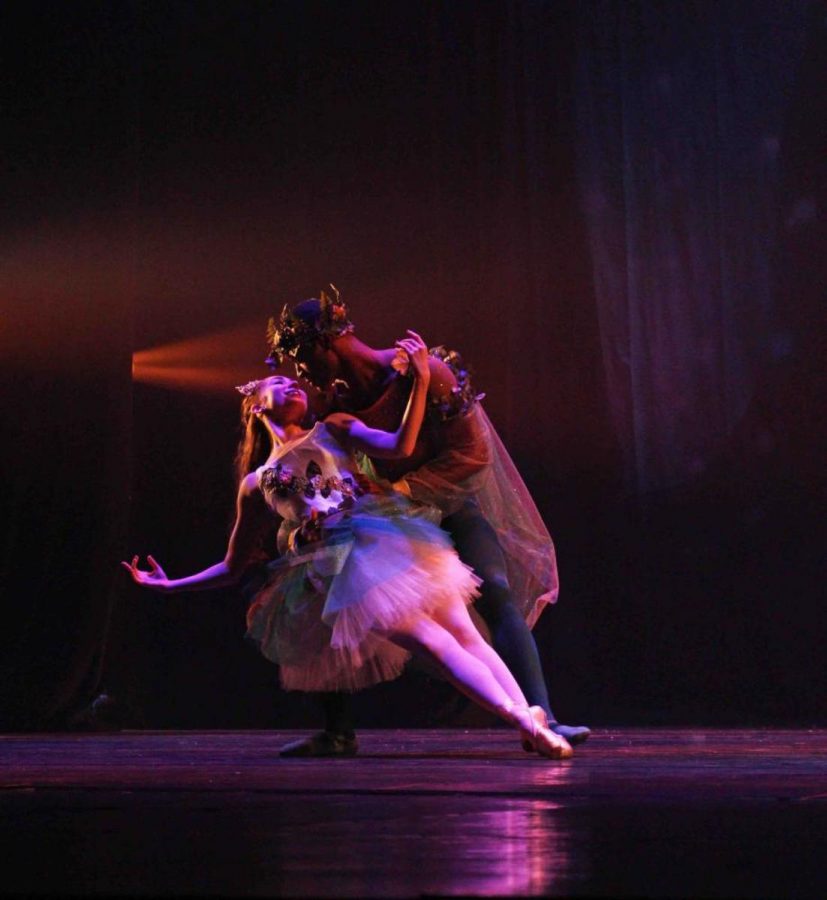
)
(415, 336)
(151, 560)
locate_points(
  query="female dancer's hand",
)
(417, 351)
(155, 578)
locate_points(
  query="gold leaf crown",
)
(287, 335)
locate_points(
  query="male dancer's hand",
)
(417, 352)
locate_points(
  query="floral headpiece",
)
(289, 333)
(248, 389)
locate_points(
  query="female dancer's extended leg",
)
(457, 622)
(473, 675)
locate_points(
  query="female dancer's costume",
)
(378, 561)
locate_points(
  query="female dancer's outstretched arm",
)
(253, 515)
(252, 518)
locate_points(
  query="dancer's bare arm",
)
(354, 434)
(463, 451)
(252, 520)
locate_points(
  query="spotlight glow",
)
(211, 363)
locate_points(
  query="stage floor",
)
(643, 812)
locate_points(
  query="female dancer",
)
(365, 580)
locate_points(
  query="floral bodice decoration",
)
(312, 475)
(283, 482)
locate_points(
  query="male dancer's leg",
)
(477, 545)
(338, 737)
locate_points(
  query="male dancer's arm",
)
(453, 474)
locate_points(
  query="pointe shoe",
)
(552, 745)
(538, 714)
(531, 720)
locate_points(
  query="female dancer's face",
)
(282, 398)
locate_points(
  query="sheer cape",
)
(503, 498)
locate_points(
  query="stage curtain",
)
(68, 289)
(680, 111)
(582, 197)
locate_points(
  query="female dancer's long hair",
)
(252, 452)
(254, 446)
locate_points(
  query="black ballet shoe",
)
(574, 734)
(325, 743)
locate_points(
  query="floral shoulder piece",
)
(463, 396)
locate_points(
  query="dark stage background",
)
(615, 210)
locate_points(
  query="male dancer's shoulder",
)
(443, 380)
(454, 394)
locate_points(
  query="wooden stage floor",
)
(637, 812)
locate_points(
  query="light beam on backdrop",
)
(212, 363)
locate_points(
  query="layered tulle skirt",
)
(323, 611)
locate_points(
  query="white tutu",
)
(377, 566)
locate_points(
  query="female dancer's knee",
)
(460, 626)
(422, 635)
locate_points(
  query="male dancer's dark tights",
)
(478, 547)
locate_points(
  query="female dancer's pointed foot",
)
(538, 715)
(536, 735)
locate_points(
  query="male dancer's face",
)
(318, 364)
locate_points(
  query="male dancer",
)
(451, 469)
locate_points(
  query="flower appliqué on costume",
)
(283, 482)
(462, 397)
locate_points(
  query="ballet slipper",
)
(530, 720)
(539, 715)
(546, 742)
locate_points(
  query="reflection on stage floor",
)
(643, 812)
